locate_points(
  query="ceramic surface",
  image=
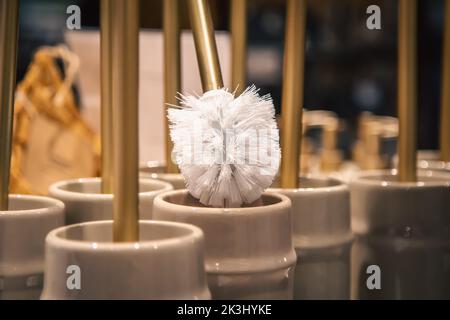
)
(320, 212)
(404, 229)
(23, 229)
(322, 237)
(167, 263)
(249, 252)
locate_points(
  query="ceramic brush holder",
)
(248, 250)
(156, 170)
(85, 202)
(322, 237)
(23, 229)
(166, 263)
(403, 228)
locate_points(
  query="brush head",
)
(227, 148)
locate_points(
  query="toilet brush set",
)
(228, 215)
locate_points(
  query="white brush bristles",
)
(227, 148)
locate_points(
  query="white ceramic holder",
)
(403, 228)
(82, 262)
(322, 237)
(85, 202)
(248, 250)
(23, 229)
(156, 170)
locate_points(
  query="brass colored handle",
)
(238, 26)
(292, 95)
(9, 19)
(445, 103)
(407, 89)
(106, 25)
(172, 69)
(125, 84)
(205, 44)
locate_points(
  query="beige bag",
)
(51, 142)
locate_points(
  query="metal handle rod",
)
(9, 20)
(292, 95)
(106, 25)
(172, 69)
(445, 103)
(238, 26)
(407, 89)
(125, 85)
(205, 44)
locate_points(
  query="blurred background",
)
(349, 68)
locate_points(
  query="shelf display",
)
(239, 185)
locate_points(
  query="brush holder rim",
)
(192, 232)
(283, 202)
(321, 183)
(83, 206)
(383, 178)
(429, 160)
(148, 166)
(60, 189)
(52, 204)
(156, 170)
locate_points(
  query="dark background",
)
(349, 69)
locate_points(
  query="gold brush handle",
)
(205, 44)
(106, 25)
(9, 20)
(125, 86)
(172, 69)
(407, 89)
(238, 26)
(292, 95)
(445, 104)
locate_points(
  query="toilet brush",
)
(226, 147)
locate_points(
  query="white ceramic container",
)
(84, 201)
(156, 170)
(23, 229)
(249, 252)
(404, 229)
(82, 262)
(322, 237)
